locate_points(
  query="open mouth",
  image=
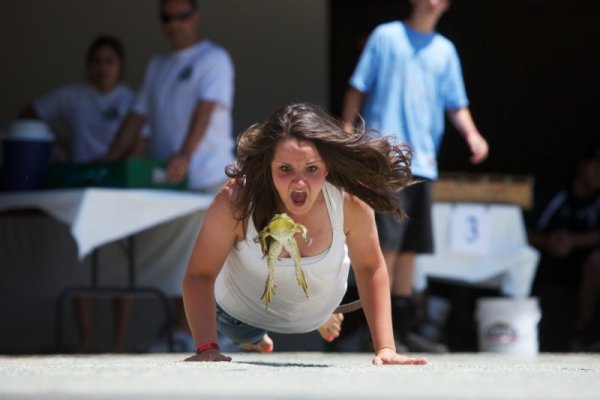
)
(298, 198)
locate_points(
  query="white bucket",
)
(508, 325)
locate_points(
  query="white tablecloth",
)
(97, 216)
(504, 259)
(42, 253)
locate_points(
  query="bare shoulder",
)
(356, 212)
(229, 192)
(222, 209)
(354, 205)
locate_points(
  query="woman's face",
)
(298, 173)
(104, 68)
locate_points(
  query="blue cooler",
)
(27, 147)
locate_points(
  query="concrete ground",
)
(308, 375)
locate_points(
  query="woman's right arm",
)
(218, 234)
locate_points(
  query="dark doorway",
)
(531, 68)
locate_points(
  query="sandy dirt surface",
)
(299, 376)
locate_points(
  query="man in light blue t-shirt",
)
(407, 77)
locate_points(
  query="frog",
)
(282, 229)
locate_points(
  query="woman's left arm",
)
(372, 280)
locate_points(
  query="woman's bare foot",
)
(265, 346)
(332, 328)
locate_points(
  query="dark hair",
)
(371, 168)
(108, 41)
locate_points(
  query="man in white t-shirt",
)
(186, 98)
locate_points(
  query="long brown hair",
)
(369, 167)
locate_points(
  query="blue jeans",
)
(239, 332)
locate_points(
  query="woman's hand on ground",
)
(390, 357)
(209, 355)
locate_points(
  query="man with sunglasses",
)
(186, 100)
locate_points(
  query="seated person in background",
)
(90, 113)
(566, 230)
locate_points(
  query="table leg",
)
(95, 291)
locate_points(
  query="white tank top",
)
(241, 282)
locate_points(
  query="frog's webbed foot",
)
(302, 280)
(270, 285)
(269, 292)
(292, 248)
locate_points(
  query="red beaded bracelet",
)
(208, 345)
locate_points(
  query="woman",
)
(90, 114)
(299, 162)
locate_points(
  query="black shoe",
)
(418, 344)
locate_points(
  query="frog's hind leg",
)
(270, 286)
(292, 248)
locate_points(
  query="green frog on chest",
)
(282, 229)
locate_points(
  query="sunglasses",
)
(165, 18)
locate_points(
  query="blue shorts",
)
(237, 331)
